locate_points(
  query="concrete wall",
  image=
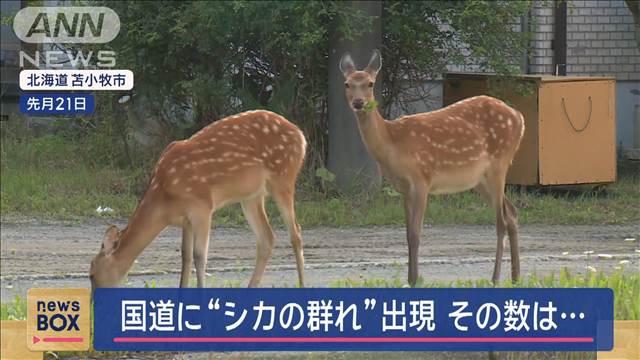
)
(625, 104)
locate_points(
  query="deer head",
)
(103, 271)
(359, 84)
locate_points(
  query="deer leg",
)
(257, 218)
(511, 214)
(201, 231)
(187, 254)
(414, 205)
(493, 188)
(285, 203)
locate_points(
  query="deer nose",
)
(358, 104)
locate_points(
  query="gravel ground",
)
(58, 255)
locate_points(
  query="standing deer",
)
(241, 158)
(467, 145)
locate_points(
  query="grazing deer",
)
(241, 158)
(467, 145)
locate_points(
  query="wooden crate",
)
(570, 135)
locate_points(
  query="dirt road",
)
(59, 255)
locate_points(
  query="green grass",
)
(14, 310)
(625, 286)
(47, 178)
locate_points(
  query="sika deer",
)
(241, 158)
(467, 145)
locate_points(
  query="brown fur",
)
(467, 145)
(241, 158)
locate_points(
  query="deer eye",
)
(370, 84)
(346, 85)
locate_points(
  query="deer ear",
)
(346, 65)
(111, 240)
(375, 64)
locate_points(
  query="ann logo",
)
(66, 24)
(41, 25)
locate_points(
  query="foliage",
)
(53, 178)
(421, 38)
(218, 58)
(327, 179)
(196, 62)
(14, 310)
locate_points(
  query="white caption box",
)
(76, 80)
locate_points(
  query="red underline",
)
(354, 339)
(69, 339)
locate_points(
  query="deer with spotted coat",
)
(242, 158)
(467, 145)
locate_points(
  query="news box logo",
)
(58, 319)
(66, 24)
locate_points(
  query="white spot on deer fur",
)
(278, 161)
(232, 168)
(413, 133)
(509, 122)
(175, 181)
(236, 127)
(281, 147)
(265, 130)
(264, 154)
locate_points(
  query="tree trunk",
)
(349, 160)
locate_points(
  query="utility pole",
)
(348, 158)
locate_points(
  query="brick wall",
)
(541, 59)
(600, 39)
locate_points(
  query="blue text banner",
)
(353, 319)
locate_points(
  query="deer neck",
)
(144, 225)
(374, 132)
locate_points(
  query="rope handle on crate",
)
(566, 114)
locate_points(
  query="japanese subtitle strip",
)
(76, 80)
(57, 103)
(353, 319)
